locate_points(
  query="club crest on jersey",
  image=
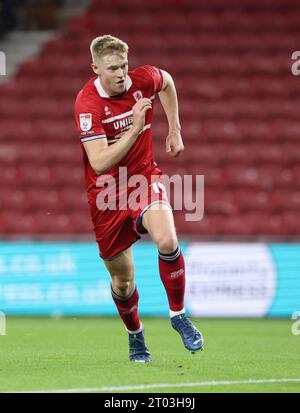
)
(107, 111)
(137, 95)
(85, 121)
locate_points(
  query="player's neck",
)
(108, 93)
(119, 95)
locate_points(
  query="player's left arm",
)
(169, 101)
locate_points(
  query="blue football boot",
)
(138, 351)
(191, 337)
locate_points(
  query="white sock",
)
(174, 313)
(136, 331)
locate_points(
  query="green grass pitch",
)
(88, 354)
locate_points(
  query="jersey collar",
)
(101, 91)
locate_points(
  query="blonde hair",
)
(107, 44)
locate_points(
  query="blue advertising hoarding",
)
(223, 279)
(71, 279)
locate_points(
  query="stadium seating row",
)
(78, 222)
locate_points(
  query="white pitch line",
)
(163, 385)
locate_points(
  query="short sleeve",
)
(156, 77)
(88, 121)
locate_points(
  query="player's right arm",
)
(103, 157)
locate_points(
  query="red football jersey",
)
(100, 116)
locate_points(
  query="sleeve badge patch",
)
(85, 121)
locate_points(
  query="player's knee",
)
(122, 286)
(167, 243)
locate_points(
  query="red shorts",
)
(116, 230)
